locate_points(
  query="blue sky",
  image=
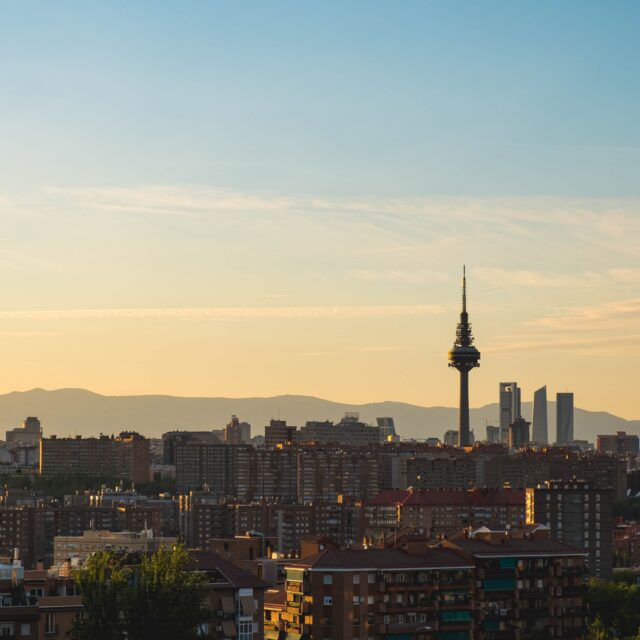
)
(251, 198)
(449, 98)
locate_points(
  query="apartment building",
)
(228, 470)
(325, 473)
(278, 432)
(443, 511)
(523, 583)
(79, 548)
(349, 431)
(236, 598)
(379, 593)
(620, 442)
(125, 456)
(578, 514)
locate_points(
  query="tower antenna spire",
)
(464, 288)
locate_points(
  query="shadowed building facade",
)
(540, 434)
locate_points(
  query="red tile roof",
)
(380, 559)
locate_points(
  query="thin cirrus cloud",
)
(231, 313)
(604, 317)
(626, 341)
(377, 349)
(536, 279)
(394, 275)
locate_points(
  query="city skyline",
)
(217, 201)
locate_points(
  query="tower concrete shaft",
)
(464, 357)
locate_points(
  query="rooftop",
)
(373, 559)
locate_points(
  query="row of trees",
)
(159, 598)
(614, 608)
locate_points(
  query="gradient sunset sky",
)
(258, 198)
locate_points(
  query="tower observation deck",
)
(464, 357)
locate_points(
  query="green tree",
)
(159, 598)
(165, 600)
(102, 580)
(616, 605)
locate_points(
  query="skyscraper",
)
(464, 357)
(509, 407)
(564, 418)
(540, 432)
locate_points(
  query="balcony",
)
(535, 612)
(496, 614)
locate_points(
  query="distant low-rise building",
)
(349, 431)
(29, 433)
(620, 442)
(81, 547)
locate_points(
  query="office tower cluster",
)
(514, 430)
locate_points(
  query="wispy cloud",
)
(536, 279)
(626, 341)
(394, 275)
(231, 313)
(608, 316)
(376, 349)
(29, 334)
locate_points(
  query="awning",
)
(229, 628)
(228, 604)
(248, 605)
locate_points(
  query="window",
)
(6, 630)
(37, 592)
(245, 630)
(371, 578)
(356, 600)
(328, 601)
(25, 629)
(356, 578)
(386, 619)
(50, 623)
(400, 618)
(369, 599)
(327, 578)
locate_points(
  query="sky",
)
(260, 198)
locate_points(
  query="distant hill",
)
(77, 411)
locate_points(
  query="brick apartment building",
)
(124, 457)
(524, 583)
(229, 470)
(620, 442)
(379, 593)
(578, 514)
(236, 598)
(443, 511)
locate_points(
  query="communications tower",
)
(464, 357)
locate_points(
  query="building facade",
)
(122, 457)
(577, 514)
(564, 418)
